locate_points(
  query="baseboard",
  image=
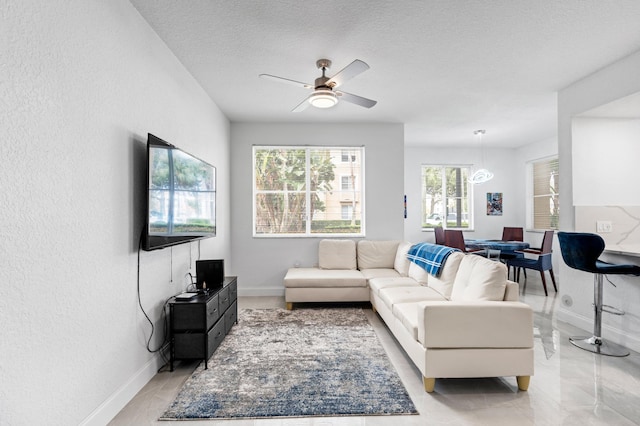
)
(121, 397)
(257, 292)
(615, 335)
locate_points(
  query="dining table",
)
(496, 247)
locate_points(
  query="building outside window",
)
(308, 191)
(346, 182)
(347, 212)
(446, 197)
(543, 205)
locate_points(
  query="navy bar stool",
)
(581, 251)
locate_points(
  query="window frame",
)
(359, 186)
(470, 197)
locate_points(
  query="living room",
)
(84, 82)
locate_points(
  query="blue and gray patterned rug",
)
(305, 362)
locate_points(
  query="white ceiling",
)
(444, 68)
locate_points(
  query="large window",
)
(544, 204)
(446, 197)
(308, 191)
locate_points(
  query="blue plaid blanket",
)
(430, 257)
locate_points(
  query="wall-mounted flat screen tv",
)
(181, 196)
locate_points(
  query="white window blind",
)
(545, 205)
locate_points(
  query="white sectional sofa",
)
(466, 322)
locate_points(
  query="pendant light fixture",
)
(481, 175)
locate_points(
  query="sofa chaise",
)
(464, 322)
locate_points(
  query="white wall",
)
(616, 81)
(499, 161)
(82, 84)
(261, 263)
(607, 151)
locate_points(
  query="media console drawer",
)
(230, 317)
(223, 299)
(198, 326)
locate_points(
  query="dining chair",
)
(542, 263)
(512, 234)
(454, 238)
(439, 233)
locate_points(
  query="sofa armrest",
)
(475, 324)
(511, 291)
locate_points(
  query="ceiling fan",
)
(324, 95)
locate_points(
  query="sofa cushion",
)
(419, 274)
(376, 254)
(407, 313)
(401, 263)
(392, 295)
(337, 254)
(479, 278)
(315, 278)
(376, 284)
(443, 283)
(379, 273)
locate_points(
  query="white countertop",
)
(626, 249)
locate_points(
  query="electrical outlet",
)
(604, 226)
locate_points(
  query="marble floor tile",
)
(570, 386)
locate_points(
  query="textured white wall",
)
(262, 262)
(616, 81)
(82, 84)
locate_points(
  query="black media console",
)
(199, 325)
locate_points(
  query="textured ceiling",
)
(443, 68)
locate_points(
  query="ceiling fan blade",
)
(286, 80)
(355, 99)
(302, 105)
(347, 73)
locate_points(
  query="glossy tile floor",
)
(570, 386)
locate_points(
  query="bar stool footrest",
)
(599, 346)
(612, 310)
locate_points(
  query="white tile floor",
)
(570, 386)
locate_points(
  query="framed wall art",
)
(494, 203)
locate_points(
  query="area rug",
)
(305, 362)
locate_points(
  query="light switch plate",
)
(604, 226)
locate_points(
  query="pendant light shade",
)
(481, 175)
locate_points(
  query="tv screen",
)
(181, 196)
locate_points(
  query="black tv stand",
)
(199, 325)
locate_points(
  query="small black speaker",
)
(209, 273)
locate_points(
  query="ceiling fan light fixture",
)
(323, 98)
